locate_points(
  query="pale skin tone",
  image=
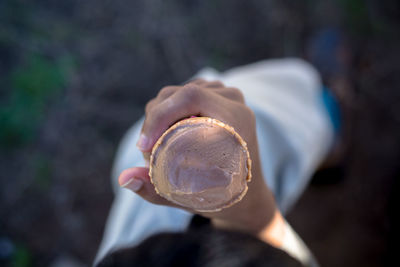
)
(256, 213)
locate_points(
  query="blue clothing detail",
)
(332, 106)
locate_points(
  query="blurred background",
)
(74, 75)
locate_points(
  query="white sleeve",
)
(295, 247)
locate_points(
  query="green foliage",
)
(32, 86)
(37, 79)
(357, 15)
(22, 257)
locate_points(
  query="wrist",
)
(257, 214)
(272, 233)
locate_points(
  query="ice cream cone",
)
(202, 164)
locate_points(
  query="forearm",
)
(257, 214)
(270, 228)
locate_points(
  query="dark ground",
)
(75, 75)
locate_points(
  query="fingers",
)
(138, 181)
(197, 81)
(184, 103)
(214, 84)
(206, 84)
(167, 92)
(170, 90)
(197, 98)
(231, 93)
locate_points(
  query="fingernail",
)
(133, 184)
(143, 143)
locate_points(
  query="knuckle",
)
(149, 106)
(237, 94)
(191, 92)
(215, 84)
(219, 83)
(250, 114)
(166, 91)
(197, 81)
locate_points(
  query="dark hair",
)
(202, 246)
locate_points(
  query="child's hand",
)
(207, 99)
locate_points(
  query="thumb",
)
(138, 181)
